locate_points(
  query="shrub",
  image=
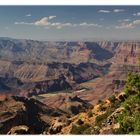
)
(102, 108)
(112, 98)
(79, 129)
(91, 107)
(132, 84)
(90, 114)
(100, 118)
(118, 131)
(100, 101)
(92, 130)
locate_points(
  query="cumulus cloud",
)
(136, 22)
(42, 22)
(104, 11)
(84, 24)
(124, 26)
(136, 14)
(128, 25)
(46, 22)
(28, 15)
(118, 10)
(23, 23)
(89, 24)
(59, 25)
(51, 17)
(115, 11)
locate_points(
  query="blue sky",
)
(57, 23)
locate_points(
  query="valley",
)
(44, 85)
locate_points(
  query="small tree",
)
(112, 98)
(139, 63)
(132, 83)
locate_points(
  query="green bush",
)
(79, 129)
(129, 119)
(100, 118)
(132, 85)
(102, 108)
(92, 130)
(112, 98)
(90, 114)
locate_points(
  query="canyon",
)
(43, 85)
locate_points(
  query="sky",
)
(60, 23)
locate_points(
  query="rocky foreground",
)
(21, 115)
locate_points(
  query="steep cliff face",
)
(12, 113)
(19, 113)
(109, 45)
(70, 52)
(127, 53)
(67, 52)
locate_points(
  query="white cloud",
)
(115, 11)
(89, 24)
(51, 17)
(136, 22)
(42, 22)
(59, 25)
(136, 14)
(46, 22)
(23, 23)
(104, 11)
(28, 15)
(124, 26)
(128, 25)
(55, 24)
(118, 10)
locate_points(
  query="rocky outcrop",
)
(12, 113)
(10, 85)
(20, 115)
(109, 45)
(21, 129)
(127, 53)
(55, 127)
